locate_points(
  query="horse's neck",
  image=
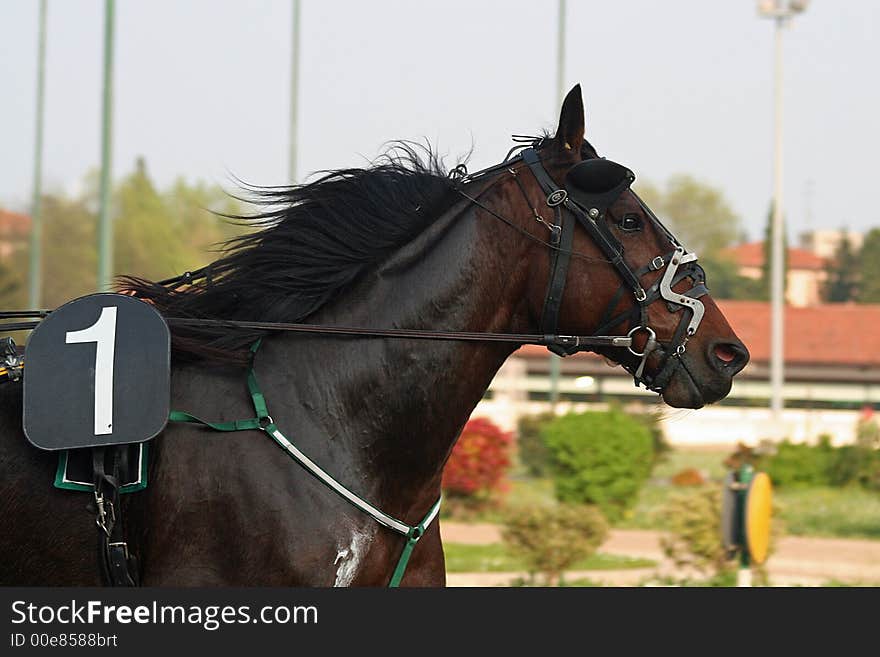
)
(400, 404)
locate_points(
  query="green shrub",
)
(651, 419)
(599, 458)
(532, 450)
(693, 521)
(549, 539)
(868, 431)
(802, 465)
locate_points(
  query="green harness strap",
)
(264, 422)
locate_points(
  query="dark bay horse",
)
(393, 245)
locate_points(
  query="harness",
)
(591, 187)
(264, 422)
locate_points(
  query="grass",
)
(495, 558)
(816, 511)
(709, 461)
(834, 512)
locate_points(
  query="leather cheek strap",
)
(559, 262)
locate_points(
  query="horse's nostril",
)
(725, 354)
(729, 357)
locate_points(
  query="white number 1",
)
(103, 333)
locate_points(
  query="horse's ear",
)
(570, 133)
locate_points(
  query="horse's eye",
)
(631, 223)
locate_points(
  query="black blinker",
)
(597, 183)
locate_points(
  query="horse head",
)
(615, 269)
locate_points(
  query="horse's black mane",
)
(312, 241)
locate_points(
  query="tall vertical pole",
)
(35, 282)
(777, 289)
(105, 228)
(560, 91)
(294, 93)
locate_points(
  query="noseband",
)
(591, 188)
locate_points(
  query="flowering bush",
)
(688, 477)
(479, 460)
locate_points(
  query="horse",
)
(397, 244)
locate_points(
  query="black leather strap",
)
(533, 160)
(560, 257)
(605, 242)
(117, 566)
(559, 262)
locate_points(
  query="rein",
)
(562, 341)
(559, 341)
(575, 203)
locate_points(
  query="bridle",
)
(591, 187)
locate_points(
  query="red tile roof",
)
(14, 225)
(752, 255)
(829, 334)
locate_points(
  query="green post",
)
(35, 278)
(105, 228)
(744, 574)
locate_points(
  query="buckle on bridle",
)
(104, 513)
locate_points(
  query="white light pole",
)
(35, 273)
(781, 12)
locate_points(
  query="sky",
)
(202, 90)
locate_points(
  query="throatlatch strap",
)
(264, 422)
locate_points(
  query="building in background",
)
(806, 271)
(824, 243)
(15, 230)
(832, 361)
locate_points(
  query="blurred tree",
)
(842, 283)
(70, 258)
(145, 242)
(696, 212)
(725, 282)
(701, 218)
(12, 288)
(869, 268)
(201, 212)
(764, 284)
(156, 234)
